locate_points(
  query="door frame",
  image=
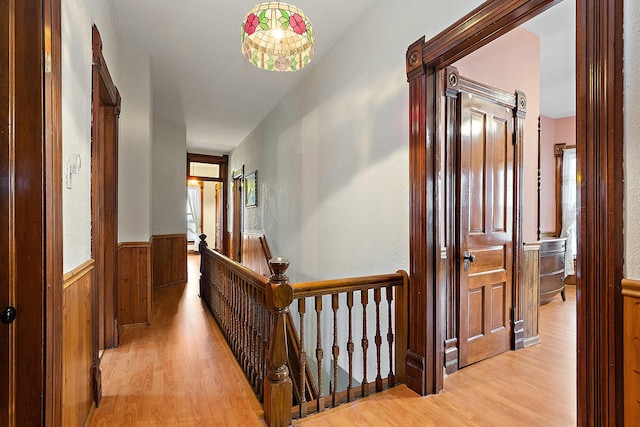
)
(223, 164)
(599, 59)
(237, 178)
(37, 87)
(104, 209)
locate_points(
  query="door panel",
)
(486, 218)
(22, 232)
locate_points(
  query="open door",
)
(486, 222)
(23, 235)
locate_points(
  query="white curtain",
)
(195, 207)
(569, 212)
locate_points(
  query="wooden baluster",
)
(335, 349)
(350, 347)
(253, 336)
(377, 298)
(364, 298)
(391, 376)
(244, 316)
(278, 388)
(234, 313)
(302, 309)
(262, 346)
(319, 352)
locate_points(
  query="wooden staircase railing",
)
(386, 320)
(253, 314)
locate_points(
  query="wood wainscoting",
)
(256, 253)
(77, 327)
(134, 283)
(531, 292)
(169, 259)
(631, 294)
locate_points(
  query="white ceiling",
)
(199, 76)
(201, 79)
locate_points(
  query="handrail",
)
(255, 279)
(253, 314)
(328, 287)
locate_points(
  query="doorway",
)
(238, 214)
(104, 209)
(482, 122)
(206, 211)
(600, 240)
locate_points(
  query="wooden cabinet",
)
(551, 269)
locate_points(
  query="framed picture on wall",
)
(251, 190)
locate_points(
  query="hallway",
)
(179, 371)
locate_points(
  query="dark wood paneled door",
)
(486, 228)
(22, 208)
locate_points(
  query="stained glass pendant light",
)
(277, 36)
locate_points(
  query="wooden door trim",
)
(53, 208)
(223, 162)
(31, 71)
(104, 169)
(238, 175)
(599, 128)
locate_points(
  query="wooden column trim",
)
(520, 113)
(599, 85)
(52, 12)
(631, 288)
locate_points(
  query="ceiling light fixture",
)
(277, 36)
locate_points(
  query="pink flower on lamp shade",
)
(297, 23)
(251, 24)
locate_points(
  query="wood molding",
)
(600, 127)
(531, 293)
(168, 259)
(166, 236)
(631, 297)
(77, 273)
(532, 246)
(53, 236)
(599, 83)
(105, 105)
(77, 355)
(134, 283)
(631, 288)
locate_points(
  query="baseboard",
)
(531, 341)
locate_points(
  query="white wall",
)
(134, 151)
(332, 157)
(77, 19)
(632, 138)
(169, 183)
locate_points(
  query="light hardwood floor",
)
(180, 372)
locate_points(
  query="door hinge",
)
(515, 138)
(513, 314)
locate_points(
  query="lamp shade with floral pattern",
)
(277, 36)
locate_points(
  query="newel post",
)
(278, 387)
